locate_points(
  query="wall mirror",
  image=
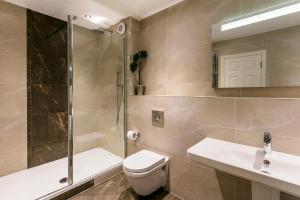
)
(260, 49)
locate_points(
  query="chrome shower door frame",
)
(70, 99)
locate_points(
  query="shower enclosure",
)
(96, 98)
(74, 76)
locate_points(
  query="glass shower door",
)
(98, 100)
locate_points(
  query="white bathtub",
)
(40, 181)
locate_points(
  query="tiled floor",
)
(118, 189)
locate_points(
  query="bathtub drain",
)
(63, 180)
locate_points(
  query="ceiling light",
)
(95, 19)
(262, 17)
(88, 16)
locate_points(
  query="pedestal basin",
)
(276, 170)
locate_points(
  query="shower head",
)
(97, 31)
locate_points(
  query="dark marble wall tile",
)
(46, 88)
(49, 98)
(49, 128)
(41, 64)
(47, 34)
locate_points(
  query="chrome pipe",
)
(125, 153)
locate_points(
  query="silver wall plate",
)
(158, 118)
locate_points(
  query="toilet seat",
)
(143, 161)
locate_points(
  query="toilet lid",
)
(142, 161)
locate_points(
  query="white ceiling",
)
(103, 12)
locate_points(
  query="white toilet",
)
(146, 171)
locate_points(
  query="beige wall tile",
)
(13, 89)
(13, 141)
(86, 97)
(291, 92)
(278, 116)
(134, 24)
(195, 65)
(193, 182)
(13, 101)
(154, 19)
(13, 160)
(188, 25)
(86, 134)
(13, 61)
(86, 90)
(13, 125)
(153, 38)
(13, 20)
(132, 148)
(13, 56)
(111, 57)
(154, 73)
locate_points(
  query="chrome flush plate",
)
(158, 118)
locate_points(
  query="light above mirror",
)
(265, 54)
(262, 17)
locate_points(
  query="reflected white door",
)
(243, 70)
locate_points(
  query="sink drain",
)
(266, 162)
(63, 180)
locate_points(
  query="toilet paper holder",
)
(133, 135)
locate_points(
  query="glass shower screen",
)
(96, 99)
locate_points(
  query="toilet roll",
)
(132, 135)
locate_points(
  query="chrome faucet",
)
(267, 143)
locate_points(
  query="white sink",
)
(282, 173)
